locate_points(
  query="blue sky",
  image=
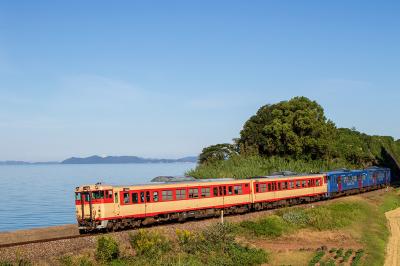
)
(166, 78)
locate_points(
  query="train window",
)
(230, 190)
(257, 188)
(147, 196)
(116, 197)
(297, 184)
(308, 183)
(221, 193)
(284, 185)
(166, 195)
(193, 193)
(126, 198)
(303, 183)
(109, 194)
(142, 196)
(77, 196)
(279, 185)
(155, 196)
(224, 190)
(98, 194)
(269, 187)
(205, 192)
(180, 194)
(215, 191)
(291, 184)
(318, 182)
(238, 190)
(263, 187)
(135, 198)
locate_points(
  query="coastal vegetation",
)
(295, 135)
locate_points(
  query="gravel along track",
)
(393, 247)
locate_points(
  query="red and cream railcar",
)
(118, 207)
(288, 190)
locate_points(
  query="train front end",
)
(93, 204)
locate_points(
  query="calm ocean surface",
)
(43, 195)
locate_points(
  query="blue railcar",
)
(379, 176)
(350, 181)
(345, 180)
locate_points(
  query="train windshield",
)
(77, 196)
(98, 194)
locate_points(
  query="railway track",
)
(261, 212)
(7, 245)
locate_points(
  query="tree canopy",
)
(297, 128)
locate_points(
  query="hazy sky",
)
(166, 78)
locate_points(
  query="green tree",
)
(296, 128)
(217, 152)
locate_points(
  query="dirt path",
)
(393, 247)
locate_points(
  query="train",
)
(101, 207)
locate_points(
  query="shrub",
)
(347, 255)
(357, 258)
(84, 261)
(149, 243)
(107, 249)
(66, 260)
(271, 226)
(317, 257)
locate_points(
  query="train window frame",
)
(278, 185)
(78, 196)
(126, 198)
(298, 184)
(292, 184)
(230, 190)
(237, 189)
(167, 195)
(193, 193)
(257, 188)
(148, 197)
(180, 193)
(98, 194)
(142, 197)
(116, 197)
(205, 192)
(135, 199)
(215, 191)
(284, 185)
(318, 182)
(263, 187)
(155, 196)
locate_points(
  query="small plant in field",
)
(347, 255)
(107, 249)
(357, 258)
(339, 253)
(270, 226)
(66, 260)
(149, 243)
(332, 250)
(317, 257)
(84, 261)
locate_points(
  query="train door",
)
(222, 193)
(117, 204)
(339, 182)
(86, 204)
(359, 179)
(146, 199)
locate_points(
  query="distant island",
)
(95, 159)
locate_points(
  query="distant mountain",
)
(124, 159)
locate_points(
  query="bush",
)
(317, 257)
(357, 257)
(149, 243)
(271, 226)
(107, 249)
